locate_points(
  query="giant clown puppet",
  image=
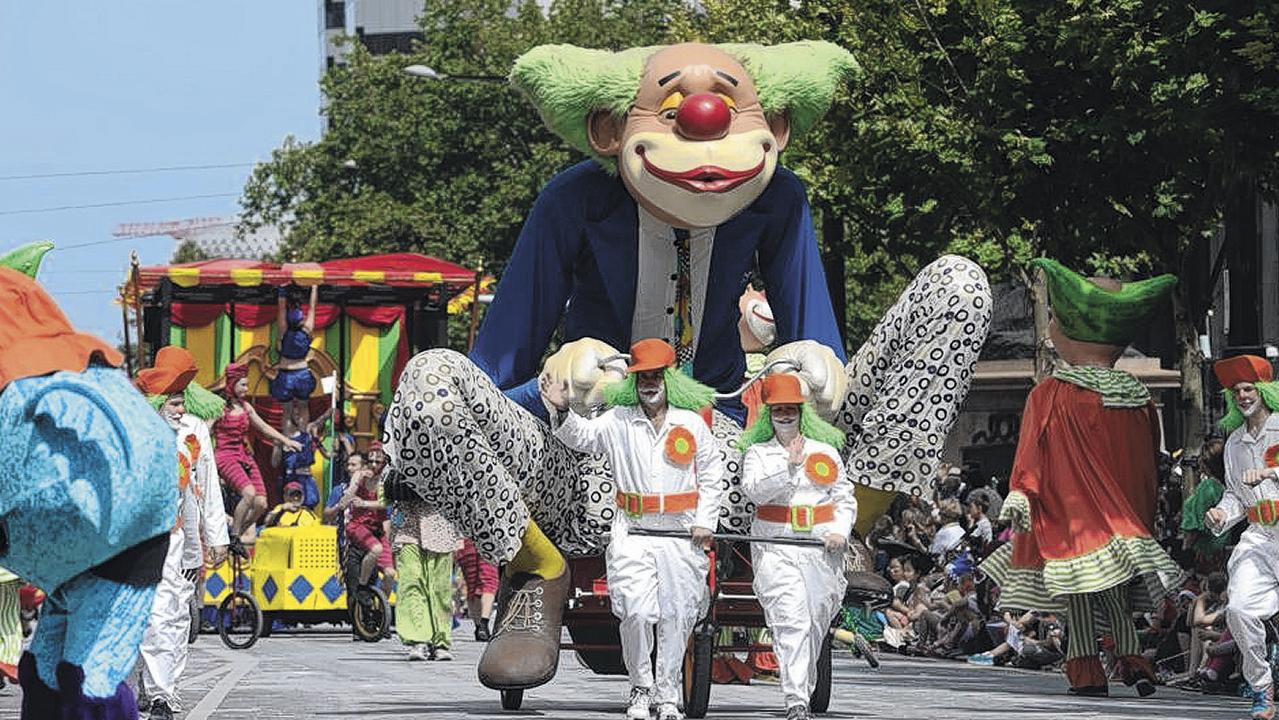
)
(88, 491)
(655, 236)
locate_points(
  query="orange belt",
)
(801, 518)
(636, 504)
(1265, 512)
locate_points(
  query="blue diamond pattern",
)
(301, 588)
(242, 583)
(269, 589)
(332, 589)
(214, 585)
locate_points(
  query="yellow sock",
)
(538, 555)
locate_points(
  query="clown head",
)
(694, 130)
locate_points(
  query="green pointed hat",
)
(566, 83)
(1089, 313)
(26, 259)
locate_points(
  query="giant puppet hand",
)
(820, 372)
(578, 364)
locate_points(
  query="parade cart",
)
(373, 314)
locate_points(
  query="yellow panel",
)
(246, 277)
(364, 357)
(375, 276)
(185, 277)
(274, 549)
(202, 344)
(308, 277)
(428, 277)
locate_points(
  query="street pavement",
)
(291, 677)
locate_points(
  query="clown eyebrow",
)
(727, 77)
(669, 78)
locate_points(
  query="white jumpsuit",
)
(1254, 564)
(800, 588)
(200, 514)
(654, 581)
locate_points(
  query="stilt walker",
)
(201, 523)
(1084, 482)
(793, 473)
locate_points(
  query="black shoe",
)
(160, 711)
(1090, 691)
(482, 633)
(236, 546)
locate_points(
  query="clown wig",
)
(811, 426)
(1269, 392)
(682, 391)
(199, 402)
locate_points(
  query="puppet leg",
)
(907, 382)
(1083, 666)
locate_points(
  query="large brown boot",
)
(1087, 677)
(524, 650)
(1138, 673)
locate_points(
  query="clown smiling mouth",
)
(707, 178)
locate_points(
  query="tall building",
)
(383, 26)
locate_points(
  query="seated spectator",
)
(950, 534)
(981, 532)
(1207, 624)
(292, 512)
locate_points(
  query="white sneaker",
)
(668, 711)
(417, 651)
(443, 654)
(640, 702)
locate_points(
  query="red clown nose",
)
(704, 116)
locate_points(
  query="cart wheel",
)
(267, 622)
(697, 672)
(239, 620)
(865, 650)
(821, 694)
(370, 613)
(512, 699)
(193, 631)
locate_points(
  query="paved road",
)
(329, 676)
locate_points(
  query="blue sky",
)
(92, 86)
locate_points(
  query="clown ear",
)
(796, 80)
(26, 259)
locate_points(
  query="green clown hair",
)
(682, 391)
(1269, 392)
(567, 83)
(811, 426)
(26, 259)
(1089, 313)
(199, 402)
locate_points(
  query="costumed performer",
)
(1252, 469)
(1084, 482)
(234, 454)
(88, 490)
(669, 476)
(294, 382)
(654, 237)
(201, 523)
(792, 471)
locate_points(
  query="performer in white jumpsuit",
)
(200, 517)
(669, 476)
(793, 472)
(1252, 491)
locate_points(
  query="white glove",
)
(577, 363)
(821, 374)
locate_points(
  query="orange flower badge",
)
(821, 469)
(1272, 456)
(680, 446)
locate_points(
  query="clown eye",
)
(728, 101)
(669, 114)
(670, 106)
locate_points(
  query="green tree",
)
(188, 252)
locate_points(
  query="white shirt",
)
(201, 510)
(983, 531)
(655, 287)
(946, 538)
(1244, 451)
(640, 463)
(768, 478)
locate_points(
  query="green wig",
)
(1269, 392)
(567, 83)
(1088, 313)
(199, 402)
(811, 426)
(682, 391)
(26, 259)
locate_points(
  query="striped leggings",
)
(1081, 615)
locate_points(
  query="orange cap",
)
(36, 338)
(1242, 368)
(651, 354)
(174, 369)
(782, 389)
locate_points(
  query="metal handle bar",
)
(806, 542)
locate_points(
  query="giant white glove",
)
(577, 363)
(821, 374)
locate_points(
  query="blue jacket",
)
(576, 262)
